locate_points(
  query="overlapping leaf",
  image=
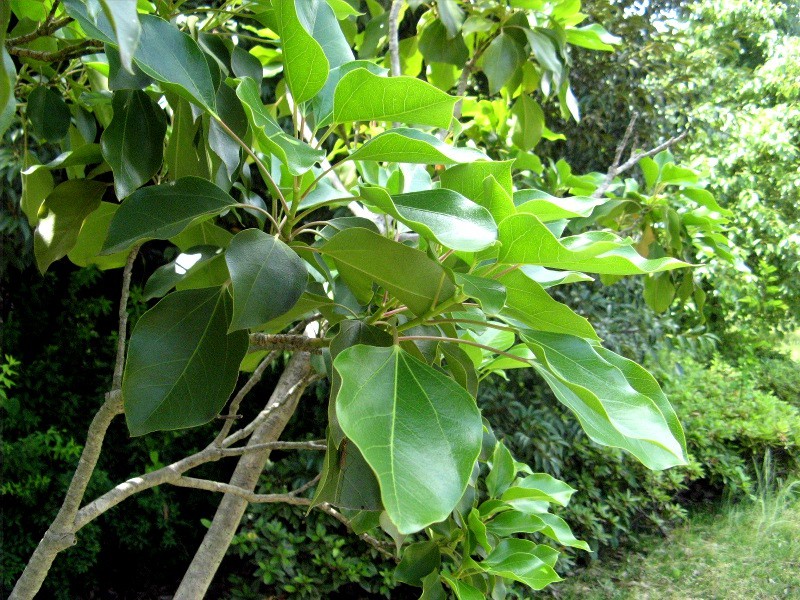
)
(406, 145)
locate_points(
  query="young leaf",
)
(441, 215)
(387, 403)
(550, 208)
(159, 212)
(413, 146)
(527, 240)
(267, 277)
(304, 61)
(182, 363)
(503, 471)
(65, 208)
(133, 143)
(363, 96)
(364, 258)
(617, 402)
(523, 561)
(541, 487)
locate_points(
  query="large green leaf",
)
(469, 180)
(159, 212)
(363, 96)
(267, 276)
(164, 53)
(322, 103)
(617, 402)
(48, 114)
(439, 214)
(298, 156)
(413, 146)
(437, 48)
(182, 363)
(523, 561)
(501, 59)
(346, 480)
(364, 258)
(527, 302)
(133, 143)
(65, 209)
(551, 208)
(319, 19)
(304, 61)
(90, 240)
(125, 21)
(419, 431)
(526, 240)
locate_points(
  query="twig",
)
(312, 445)
(394, 43)
(283, 341)
(46, 28)
(374, 542)
(74, 51)
(227, 488)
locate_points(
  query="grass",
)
(745, 552)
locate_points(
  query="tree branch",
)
(394, 43)
(251, 497)
(283, 341)
(74, 51)
(312, 445)
(46, 28)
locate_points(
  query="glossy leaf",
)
(462, 590)
(523, 561)
(133, 143)
(617, 402)
(551, 208)
(503, 471)
(125, 22)
(298, 156)
(322, 103)
(65, 209)
(418, 560)
(489, 292)
(304, 61)
(530, 122)
(319, 19)
(346, 479)
(182, 363)
(541, 487)
(528, 303)
(441, 215)
(469, 180)
(413, 146)
(267, 278)
(365, 258)
(387, 403)
(48, 114)
(169, 275)
(526, 240)
(363, 96)
(162, 211)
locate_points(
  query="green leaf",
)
(618, 403)
(169, 275)
(298, 156)
(557, 529)
(343, 9)
(164, 53)
(346, 480)
(439, 214)
(523, 561)
(182, 363)
(159, 212)
(659, 291)
(478, 529)
(432, 588)
(530, 122)
(463, 591)
(527, 302)
(452, 16)
(413, 146)
(469, 180)
(65, 208)
(125, 22)
(526, 240)
(503, 471)
(120, 78)
(541, 487)
(87, 154)
(318, 18)
(364, 257)
(363, 96)
(501, 59)
(322, 103)
(48, 114)
(545, 52)
(593, 37)
(133, 143)
(551, 208)
(267, 277)
(90, 240)
(437, 48)
(304, 61)
(489, 292)
(37, 183)
(511, 522)
(186, 154)
(418, 560)
(387, 403)
(204, 233)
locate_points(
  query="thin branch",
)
(394, 43)
(233, 411)
(238, 451)
(374, 542)
(227, 488)
(74, 51)
(49, 26)
(283, 341)
(122, 316)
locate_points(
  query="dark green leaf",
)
(162, 211)
(124, 20)
(267, 276)
(437, 48)
(133, 143)
(418, 560)
(48, 114)
(346, 480)
(501, 59)
(389, 401)
(182, 363)
(120, 78)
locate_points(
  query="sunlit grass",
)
(749, 551)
